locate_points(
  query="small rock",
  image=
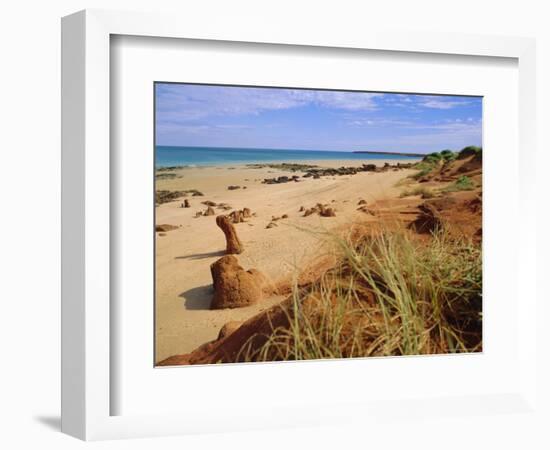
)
(327, 212)
(236, 216)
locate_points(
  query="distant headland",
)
(390, 153)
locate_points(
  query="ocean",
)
(209, 156)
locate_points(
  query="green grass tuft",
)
(464, 183)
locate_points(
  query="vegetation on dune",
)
(392, 294)
(469, 151)
(464, 183)
(440, 159)
(424, 169)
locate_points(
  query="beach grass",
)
(424, 192)
(391, 294)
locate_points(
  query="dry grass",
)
(424, 192)
(391, 294)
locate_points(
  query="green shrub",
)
(432, 158)
(464, 183)
(448, 155)
(469, 151)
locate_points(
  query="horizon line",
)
(297, 149)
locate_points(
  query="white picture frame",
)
(86, 221)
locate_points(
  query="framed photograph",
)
(368, 253)
(290, 222)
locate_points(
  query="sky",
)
(245, 117)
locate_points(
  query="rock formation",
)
(234, 245)
(322, 210)
(235, 287)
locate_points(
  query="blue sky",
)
(227, 116)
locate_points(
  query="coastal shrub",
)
(463, 183)
(469, 151)
(432, 158)
(448, 155)
(391, 294)
(436, 157)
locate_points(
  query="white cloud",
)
(180, 103)
(361, 122)
(443, 104)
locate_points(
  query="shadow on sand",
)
(202, 255)
(198, 297)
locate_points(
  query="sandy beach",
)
(184, 255)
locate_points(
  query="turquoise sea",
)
(209, 156)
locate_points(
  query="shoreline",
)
(352, 162)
